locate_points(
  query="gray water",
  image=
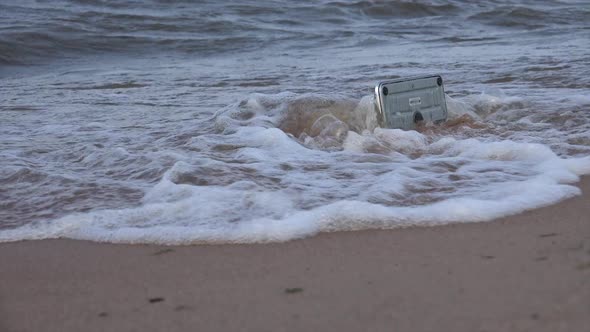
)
(185, 122)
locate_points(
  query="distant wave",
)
(32, 32)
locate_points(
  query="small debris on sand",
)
(293, 290)
(163, 251)
(548, 235)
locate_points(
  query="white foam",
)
(250, 181)
(181, 213)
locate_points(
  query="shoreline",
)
(527, 272)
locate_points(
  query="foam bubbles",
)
(280, 167)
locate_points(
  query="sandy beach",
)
(529, 272)
(226, 166)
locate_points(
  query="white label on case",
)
(415, 101)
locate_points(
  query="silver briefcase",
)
(403, 103)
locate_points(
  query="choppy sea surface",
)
(253, 121)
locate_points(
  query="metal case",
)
(404, 102)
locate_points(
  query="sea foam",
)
(272, 186)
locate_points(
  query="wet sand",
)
(529, 272)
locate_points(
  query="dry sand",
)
(529, 272)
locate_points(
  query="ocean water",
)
(181, 122)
